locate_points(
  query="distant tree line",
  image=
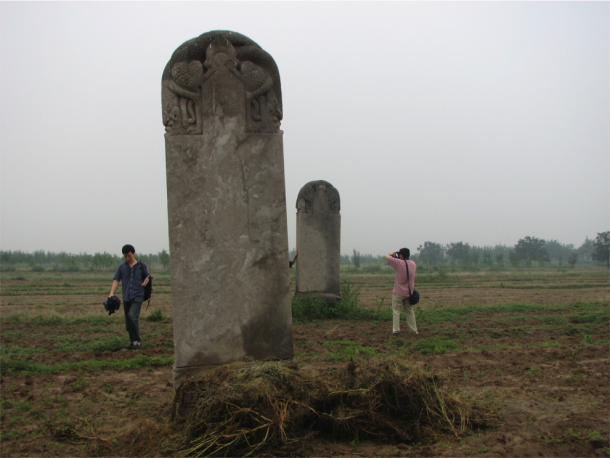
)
(527, 252)
(66, 262)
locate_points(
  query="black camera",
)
(396, 255)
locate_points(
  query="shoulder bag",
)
(413, 296)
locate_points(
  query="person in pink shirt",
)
(398, 260)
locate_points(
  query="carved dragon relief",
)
(195, 61)
(318, 196)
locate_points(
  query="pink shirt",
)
(400, 284)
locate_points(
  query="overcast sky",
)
(474, 122)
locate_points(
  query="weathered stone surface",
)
(319, 241)
(226, 203)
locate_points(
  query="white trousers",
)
(398, 304)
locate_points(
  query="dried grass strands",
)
(243, 410)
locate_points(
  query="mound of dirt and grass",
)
(274, 408)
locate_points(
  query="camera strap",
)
(408, 281)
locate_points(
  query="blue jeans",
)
(132, 313)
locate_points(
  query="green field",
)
(530, 344)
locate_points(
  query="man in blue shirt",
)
(132, 276)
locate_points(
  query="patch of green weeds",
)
(517, 317)
(346, 354)
(519, 331)
(452, 333)
(568, 435)
(78, 384)
(8, 350)
(344, 343)
(495, 333)
(533, 371)
(552, 319)
(306, 309)
(22, 406)
(13, 435)
(485, 347)
(587, 339)
(549, 344)
(570, 330)
(13, 334)
(436, 345)
(56, 320)
(398, 342)
(23, 367)
(348, 350)
(155, 315)
(477, 452)
(94, 330)
(589, 317)
(112, 344)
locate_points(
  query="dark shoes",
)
(135, 345)
(397, 333)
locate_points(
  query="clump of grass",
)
(9, 350)
(436, 345)
(308, 308)
(55, 319)
(12, 334)
(16, 366)
(533, 371)
(155, 315)
(112, 344)
(587, 339)
(348, 351)
(271, 408)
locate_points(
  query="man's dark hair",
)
(128, 249)
(405, 253)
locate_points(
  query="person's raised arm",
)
(389, 255)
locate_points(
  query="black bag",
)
(112, 304)
(413, 295)
(148, 288)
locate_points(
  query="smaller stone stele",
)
(318, 242)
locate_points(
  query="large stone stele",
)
(222, 107)
(319, 242)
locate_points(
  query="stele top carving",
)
(196, 60)
(318, 197)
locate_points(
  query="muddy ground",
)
(539, 360)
